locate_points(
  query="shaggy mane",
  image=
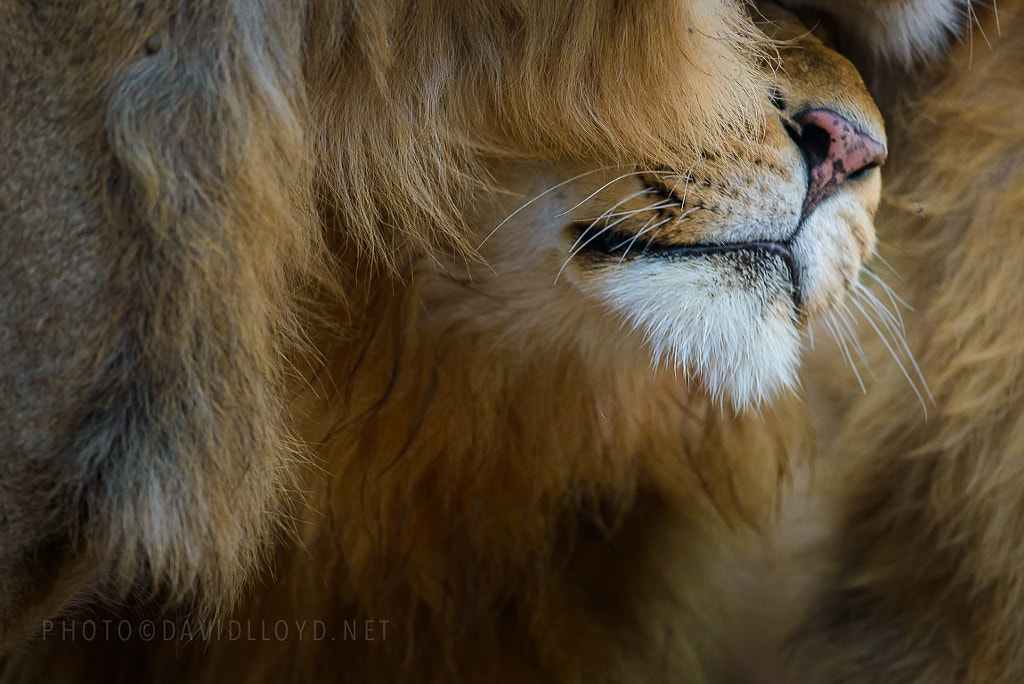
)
(182, 454)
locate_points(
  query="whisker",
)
(577, 247)
(645, 229)
(630, 212)
(892, 319)
(970, 37)
(574, 252)
(850, 320)
(686, 187)
(610, 211)
(636, 237)
(682, 218)
(584, 233)
(591, 195)
(899, 338)
(896, 357)
(830, 323)
(537, 197)
(878, 257)
(977, 22)
(894, 298)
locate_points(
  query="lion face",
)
(713, 270)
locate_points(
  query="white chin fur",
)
(740, 339)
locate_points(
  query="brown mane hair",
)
(183, 450)
(926, 580)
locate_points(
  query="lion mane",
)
(159, 213)
(178, 180)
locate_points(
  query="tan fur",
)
(927, 583)
(499, 473)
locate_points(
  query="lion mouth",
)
(604, 244)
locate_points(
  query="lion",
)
(176, 181)
(566, 275)
(924, 566)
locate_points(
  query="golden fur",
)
(926, 577)
(529, 465)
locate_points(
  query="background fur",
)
(156, 224)
(927, 575)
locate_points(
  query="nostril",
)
(835, 150)
(814, 143)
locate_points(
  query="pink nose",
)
(834, 150)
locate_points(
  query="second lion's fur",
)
(925, 564)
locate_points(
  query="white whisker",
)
(537, 197)
(899, 338)
(894, 298)
(878, 257)
(641, 232)
(686, 188)
(623, 215)
(830, 323)
(891, 321)
(577, 246)
(574, 252)
(591, 195)
(896, 357)
(850, 321)
(662, 204)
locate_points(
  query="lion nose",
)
(834, 150)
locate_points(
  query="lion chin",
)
(449, 309)
(733, 342)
